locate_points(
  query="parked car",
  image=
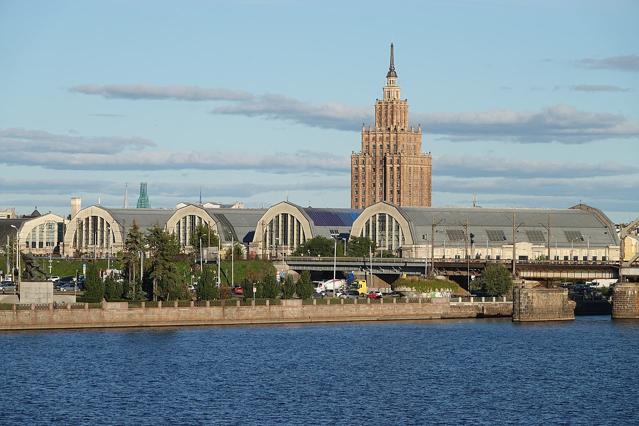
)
(375, 295)
(350, 294)
(67, 287)
(7, 287)
(238, 290)
(319, 295)
(54, 278)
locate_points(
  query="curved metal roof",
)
(144, 218)
(575, 226)
(236, 224)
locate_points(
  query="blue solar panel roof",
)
(326, 217)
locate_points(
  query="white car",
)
(54, 278)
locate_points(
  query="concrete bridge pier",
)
(542, 304)
(625, 301)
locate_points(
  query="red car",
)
(237, 290)
(375, 295)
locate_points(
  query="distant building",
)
(391, 166)
(8, 213)
(215, 205)
(285, 226)
(143, 199)
(578, 233)
(37, 233)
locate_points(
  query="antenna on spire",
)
(391, 67)
(200, 195)
(392, 58)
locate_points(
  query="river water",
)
(431, 372)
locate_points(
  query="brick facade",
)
(391, 166)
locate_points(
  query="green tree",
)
(288, 288)
(270, 289)
(112, 289)
(206, 288)
(304, 286)
(247, 287)
(94, 287)
(238, 251)
(495, 280)
(163, 248)
(202, 233)
(319, 246)
(360, 246)
(133, 245)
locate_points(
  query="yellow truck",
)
(360, 285)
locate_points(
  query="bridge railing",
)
(404, 260)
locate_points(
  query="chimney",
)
(76, 205)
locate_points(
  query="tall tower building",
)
(143, 199)
(391, 166)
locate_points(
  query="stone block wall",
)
(119, 315)
(542, 304)
(625, 301)
(36, 292)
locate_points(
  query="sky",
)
(522, 103)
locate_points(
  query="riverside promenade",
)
(235, 312)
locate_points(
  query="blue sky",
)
(526, 104)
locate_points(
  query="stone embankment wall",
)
(290, 311)
(625, 301)
(542, 304)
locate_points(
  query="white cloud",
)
(556, 123)
(36, 141)
(53, 151)
(628, 63)
(150, 92)
(491, 166)
(598, 88)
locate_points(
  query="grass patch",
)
(254, 270)
(427, 285)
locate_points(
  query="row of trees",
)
(150, 267)
(266, 288)
(322, 246)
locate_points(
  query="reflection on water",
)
(458, 371)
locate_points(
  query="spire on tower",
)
(391, 69)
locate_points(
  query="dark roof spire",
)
(391, 69)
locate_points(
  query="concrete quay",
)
(115, 315)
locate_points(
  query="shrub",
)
(426, 285)
(495, 280)
(113, 290)
(304, 287)
(288, 288)
(94, 286)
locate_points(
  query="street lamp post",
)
(17, 258)
(232, 261)
(334, 260)
(425, 238)
(219, 261)
(201, 255)
(515, 230)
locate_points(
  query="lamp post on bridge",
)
(17, 258)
